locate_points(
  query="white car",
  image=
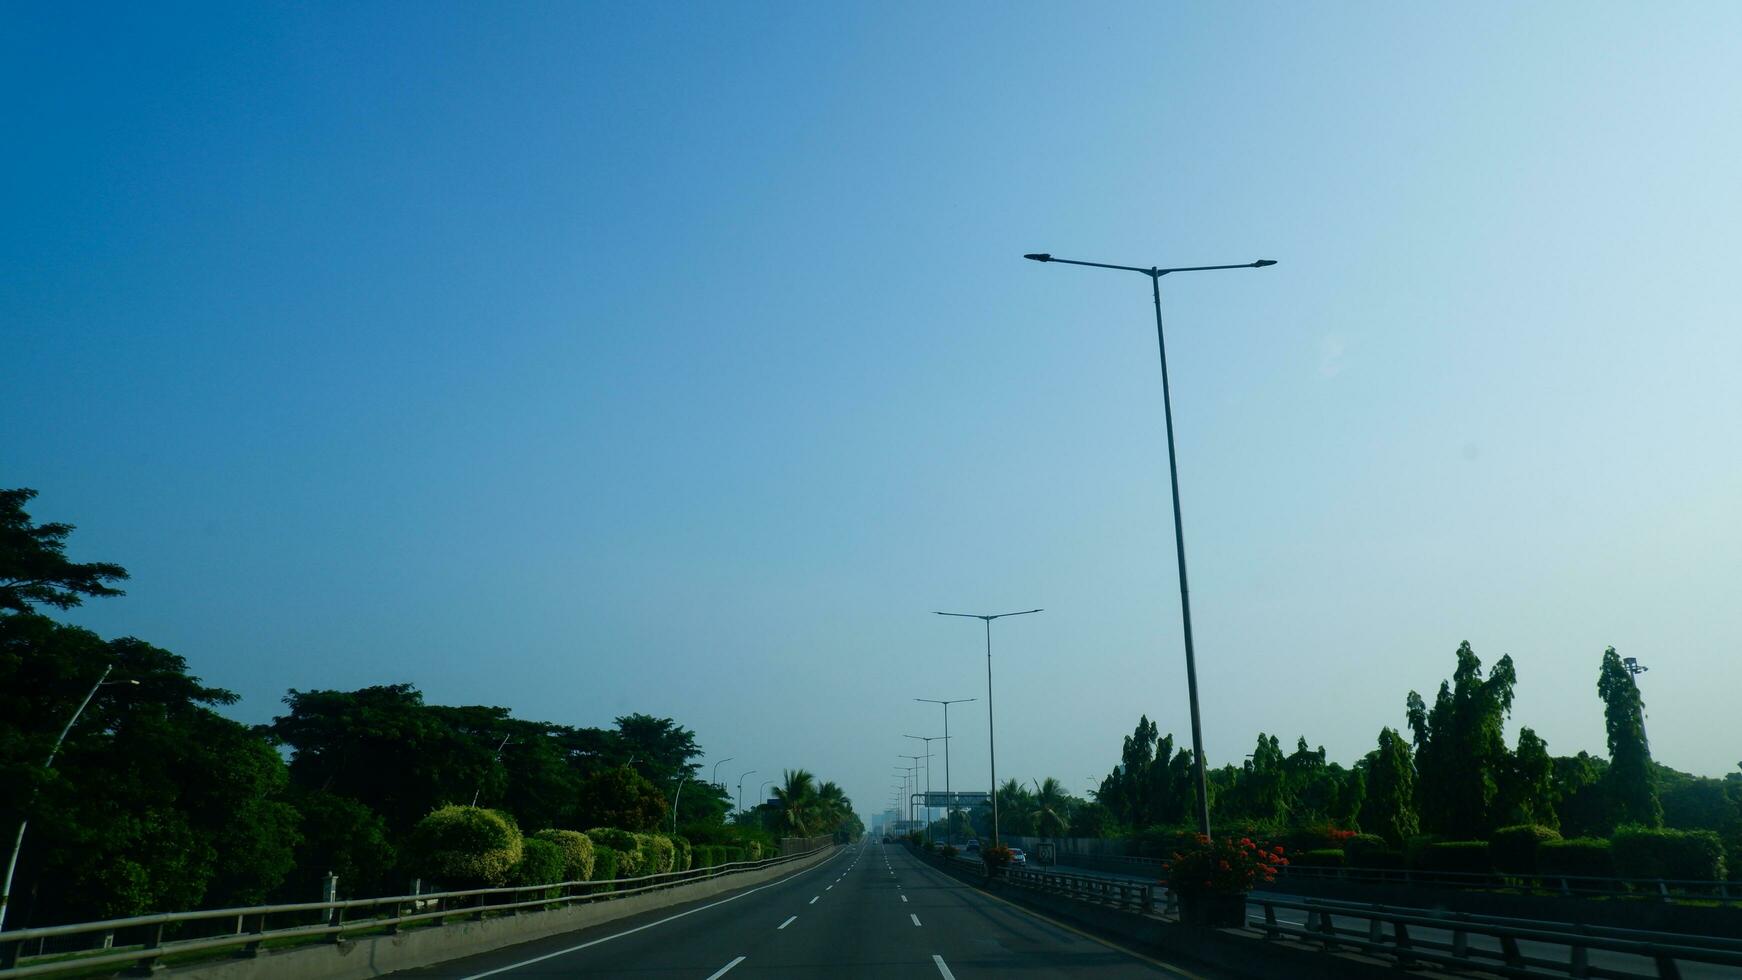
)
(1018, 857)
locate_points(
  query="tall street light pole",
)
(1155, 274)
(949, 811)
(909, 778)
(991, 735)
(23, 822)
(917, 764)
(751, 772)
(716, 780)
(928, 740)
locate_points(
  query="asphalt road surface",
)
(871, 911)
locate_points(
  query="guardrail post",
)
(1270, 929)
(1400, 936)
(147, 963)
(252, 949)
(1148, 899)
(1509, 949)
(1663, 890)
(1460, 944)
(1668, 968)
(1579, 963)
(9, 953)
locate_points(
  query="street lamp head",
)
(1261, 263)
(1039, 256)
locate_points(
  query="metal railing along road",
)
(86, 946)
(1517, 945)
(1512, 947)
(1664, 889)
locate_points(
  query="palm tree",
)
(832, 807)
(1051, 808)
(795, 807)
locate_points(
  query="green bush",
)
(685, 854)
(630, 859)
(753, 850)
(1361, 850)
(604, 865)
(1462, 856)
(1694, 855)
(577, 850)
(661, 852)
(1514, 848)
(464, 847)
(1323, 857)
(731, 855)
(1581, 857)
(541, 863)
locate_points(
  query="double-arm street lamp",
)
(991, 735)
(949, 811)
(1155, 274)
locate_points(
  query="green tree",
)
(795, 802)
(1460, 747)
(1051, 811)
(343, 837)
(155, 800)
(34, 569)
(1527, 789)
(1632, 791)
(621, 798)
(1389, 807)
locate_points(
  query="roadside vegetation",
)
(157, 802)
(1450, 795)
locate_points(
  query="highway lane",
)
(873, 911)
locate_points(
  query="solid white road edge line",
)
(945, 970)
(728, 966)
(789, 921)
(813, 901)
(650, 925)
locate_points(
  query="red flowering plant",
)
(1227, 866)
(996, 857)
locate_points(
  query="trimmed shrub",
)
(681, 861)
(541, 863)
(1319, 837)
(465, 847)
(1581, 857)
(731, 855)
(1642, 852)
(604, 865)
(1324, 857)
(577, 850)
(1359, 850)
(1514, 848)
(630, 859)
(1462, 856)
(753, 850)
(661, 852)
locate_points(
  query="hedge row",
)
(1634, 852)
(475, 847)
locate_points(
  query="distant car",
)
(1017, 857)
(885, 838)
(971, 847)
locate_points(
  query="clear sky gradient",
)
(588, 359)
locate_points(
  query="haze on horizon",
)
(682, 360)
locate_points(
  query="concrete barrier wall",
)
(374, 956)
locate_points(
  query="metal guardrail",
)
(1399, 933)
(332, 921)
(1387, 931)
(1664, 889)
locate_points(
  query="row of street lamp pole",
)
(1154, 273)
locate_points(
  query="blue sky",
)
(589, 360)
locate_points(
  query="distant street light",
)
(1155, 275)
(762, 793)
(928, 740)
(716, 779)
(675, 798)
(991, 735)
(23, 822)
(949, 811)
(741, 776)
(916, 766)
